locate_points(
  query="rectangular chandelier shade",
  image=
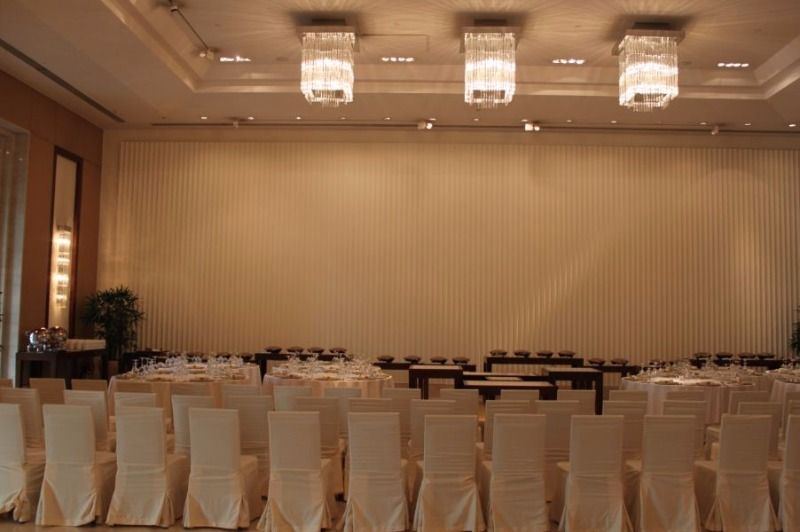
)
(326, 70)
(648, 71)
(489, 68)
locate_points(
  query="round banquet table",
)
(161, 387)
(716, 396)
(369, 387)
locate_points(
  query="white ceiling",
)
(140, 61)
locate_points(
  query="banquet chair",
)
(591, 494)
(686, 395)
(150, 487)
(376, 498)
(285, 395)
(691, 408)
(222, 490)
(342, 395)
(467, 401)
(494, 407)
(369, 404)
(190, 388)
(421, 409)
(586, 398)
(124, 386)
(401, 403)
(513, 482)
(734, 398)
(98, 402)
(51, 391)
(789, 512)
(520, 395)
(6, 383)
(448, 495)
(665, 498)
(328, 409)
(628, 395)
(774, 411)
(180, 411)
(78, 480)
(31, 407)
(556, 446)
(733, 493)
(122, 399)
(787, 406)
(89, 385)
(235, 390)
(21, 469)
(254, 431)
(299, 496)
(633, 413)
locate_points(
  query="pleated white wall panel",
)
(456, 249)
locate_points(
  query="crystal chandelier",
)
(489, 68)
(648, 70)
(326, 71)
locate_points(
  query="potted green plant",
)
(113, 314)
(794, 341)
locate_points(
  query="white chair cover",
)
(401, 393)
(420, 408)
(180, 412)
(401, 404)
(78, 481)
(98, 402)
(593, 491)
(342, 395)
(666, 499)
(556, 447)
(151, 485)
(788, 399)
(254, 431)
(297, 480)
(223, 491)
(125, 386)
(51, 391)
(185, 388)
(499, 407)
(376, 498)
(228, 390)
(586, 398)
(633, 413)
(368, 404)
(790, 478)
(31, 407)
(448, 496)
(6, 383)
(89, 385)
(697, 409)
(284, 396)
(519, 395)
(134, 399)
(739, 396)
(628, 395)
(515, 495)
(20, 472)
(328, 409)
(738, 483)
(467, 401)
(686, 395)
(774, 411)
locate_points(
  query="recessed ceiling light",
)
(342, 118)
(613, 121)
(251, 118)
(732, 65)
(387, 118)
(203, 118)
(748, 123)
(568, 61)
(569, 120)
(298, 118)
(234, 59)
(432, 119)
(703, 123)
(524, 120)
(476, 119)
(792, 125)
(397, 59)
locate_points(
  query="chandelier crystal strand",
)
(489, 69)
(326, 71)
(648, 72)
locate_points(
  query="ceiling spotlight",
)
(207, 53)
(424, 124)
(203, 118)
(251, 118)
(613, 121)
(342, 118)
(748, 123)
(234, 59)
(715, 129)
(569, 120)
(703, 123)
(298, 118)
(387, 118)
(476, 119)
(792, 125)
(531, 126)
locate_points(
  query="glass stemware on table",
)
(187, 368)
(684, 373)
(340, 368)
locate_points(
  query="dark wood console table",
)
(58, 364)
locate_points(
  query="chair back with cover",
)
(556, 444)
(89, 385)
(51, 391)
(254, 431)
(739, 396)
(666, 498)
(774, 411)
(628, 395)
(420, 408)
(285, 395)
(342, 395)
(633, 412)
(448, 496)
(467, 400)
(328, 409)
(20, 480)
(697, 409)
(98, 402)
(686, 395)
(31, 407)
(790, 479)
(376, 498)
(494, 407)
(586, 398)
(180, 418)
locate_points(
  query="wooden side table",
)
(419, 375)
(57, 364)
(581, 379)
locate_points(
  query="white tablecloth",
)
(716, 396)
(369, 387)
(162, 388)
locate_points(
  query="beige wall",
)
(397, 245)
(50, 125)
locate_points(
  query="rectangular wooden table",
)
(490, 361)
(490, 388)
(419, 375)
(57, 364)
(581, 379)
